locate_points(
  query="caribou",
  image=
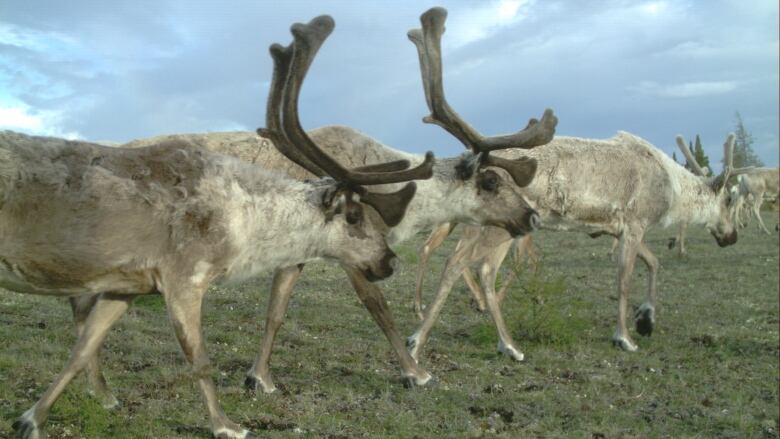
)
(619, 187)
(84, 220)
(752, 185)
(474, 188)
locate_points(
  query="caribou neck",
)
(694, 201)
(298, 229)
(438, 200)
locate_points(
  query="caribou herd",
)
(102, 225)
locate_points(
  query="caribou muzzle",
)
(527, 223)
(383, 269)
(727, 239)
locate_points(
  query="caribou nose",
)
(395, 263)
(533, 220)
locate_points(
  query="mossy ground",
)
(710, 368)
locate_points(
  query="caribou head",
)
(489, 176)
(720, 225)
(344, 191)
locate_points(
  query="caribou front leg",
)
(106, 311)
(98, 387)
(184, 303)
(435, 240)
(281, 290)
(452, 271)
(375, 303)
(757, 212)
(488, 273)
(645, 315)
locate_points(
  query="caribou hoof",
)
(645, 319)
(27, 429)
(413, 381)
(232, 434)
(253, 384)
(624, 344)
(107, 401)
(510, 351)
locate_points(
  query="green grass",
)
(709, 370)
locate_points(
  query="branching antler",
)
(308, 39)
(428, 43)
(283, 127)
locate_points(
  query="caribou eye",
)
(354, 213)
(488, 181)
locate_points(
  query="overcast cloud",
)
(103, 70)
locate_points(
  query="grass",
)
(709, 370)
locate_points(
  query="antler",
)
(428, 43)
(689, 156)
(728, 157)
(284, 129)
(308, 39)
(282, 56)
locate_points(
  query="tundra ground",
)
(710, 368)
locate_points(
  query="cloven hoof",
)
(644, 322)
(27, 429)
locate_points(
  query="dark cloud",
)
(133, 69)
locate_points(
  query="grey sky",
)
(104, 70)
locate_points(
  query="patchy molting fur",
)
(597, 185)
(445, 197)
(81, 218)
(618, 186)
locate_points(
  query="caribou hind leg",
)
(645, 315)
(627, 252)
(477, 295)
(259, 376)
(98, 387)
(106, 311)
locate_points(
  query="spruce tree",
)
(743, 149)
(700, 156)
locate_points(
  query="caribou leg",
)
(627, 251)
(98, 387)
(488, 272)
(435, 240)
(524, 248)
(645, 315)
(281, 290)
(184, 301)
(477, 295)
(681, 239)
(375, 303)
(757, 212)
(452, 271)
(106, 311)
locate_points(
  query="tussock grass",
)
(710, 368)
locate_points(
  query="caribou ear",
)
(522, 170)
(391, 207)
(468, 165)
